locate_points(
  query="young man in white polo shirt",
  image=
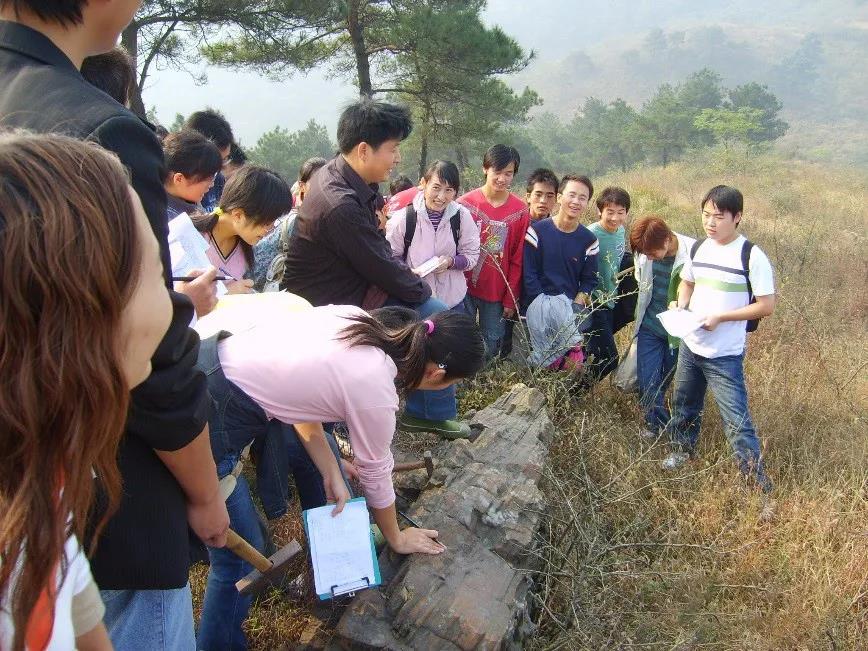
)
(718, 282)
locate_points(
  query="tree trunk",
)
(423, 155)
(357, 37)
(130, 41)
(461, 157)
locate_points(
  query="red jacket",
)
(502, 233)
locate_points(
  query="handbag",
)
(625, 376)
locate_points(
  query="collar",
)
(367, 193)
(33, 44)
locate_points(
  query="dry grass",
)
(631, 558)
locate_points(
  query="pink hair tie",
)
(430, 325)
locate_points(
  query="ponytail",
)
(449, 339)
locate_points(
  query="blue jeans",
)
(272, 468)
(655, 363)
(161, 620)
(490, 314)
(601, 343)
(438, 404)
(724, 376)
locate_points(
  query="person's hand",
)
(243, 286)
(581, 299)
(445, 263)
(413, 541)
(509, 313)
(202, 291)
(336, 490)
(350, 470)
(209, 520)
(711, 322)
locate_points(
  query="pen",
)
(413, 523)
(231, 277)
(187, 279)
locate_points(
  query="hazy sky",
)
(553, 28)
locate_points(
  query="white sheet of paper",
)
(340, 546)
(187, 249)
(427, 267)
(679, 323)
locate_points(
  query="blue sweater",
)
(559, 263)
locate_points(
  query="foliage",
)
(284, 151)
(730, 125)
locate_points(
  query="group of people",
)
(119, 427)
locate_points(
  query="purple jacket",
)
(449, 286)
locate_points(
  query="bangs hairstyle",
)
(70, 258)
(372, 122)
(613, 196)
(649, 233)
(263, 195)
(446, 171)
(456, 342)
(542, 175)
(725, 199)
(60, 12)
(579, 178)
(499, 156)
(190, 153)
(310, 166)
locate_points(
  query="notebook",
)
(341, 549)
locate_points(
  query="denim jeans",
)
(161, 620)
(438, 404)
(491, 322)
(655, 365)
(601, 343)
(271, 450)
(724, 376)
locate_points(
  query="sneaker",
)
(448, 429)
(648, 434)
(674, 460)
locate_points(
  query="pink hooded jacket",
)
(449, 286)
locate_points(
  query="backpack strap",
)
(455, 224)
(745, 264)
(409, 229)
(695, 247)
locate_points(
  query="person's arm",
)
(395, 229)
(763, 307)
(313, 438)
(515, 240)
(532, 265)
(365, 248)
(193, 467)
(589, 276)
(96, 639)
(467, 253)
(685, 292)
(170, 409)
(407, 541)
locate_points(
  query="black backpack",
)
(410, 229)
(752, 324)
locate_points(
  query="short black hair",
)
(191, 154)
(161, 132)
(112, 72)
(62, 12)
(613, 196)
(542, 175)
(725, 198)
(446, 171)
(310, 166)
(373, 122)
(400, 184)
(580, 178)
(212, 125)
(499, 156)
(237, 155)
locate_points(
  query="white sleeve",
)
(687, 270)
(760, 273)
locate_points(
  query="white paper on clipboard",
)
(680, 323)
(188, 249)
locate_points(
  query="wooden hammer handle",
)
(248, 552)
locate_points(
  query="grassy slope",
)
(635, 559)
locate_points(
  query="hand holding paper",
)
(680, 323)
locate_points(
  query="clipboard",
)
(350, 585)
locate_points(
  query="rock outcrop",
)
(484, 500)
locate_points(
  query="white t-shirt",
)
(78, 577)
(721, 287)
